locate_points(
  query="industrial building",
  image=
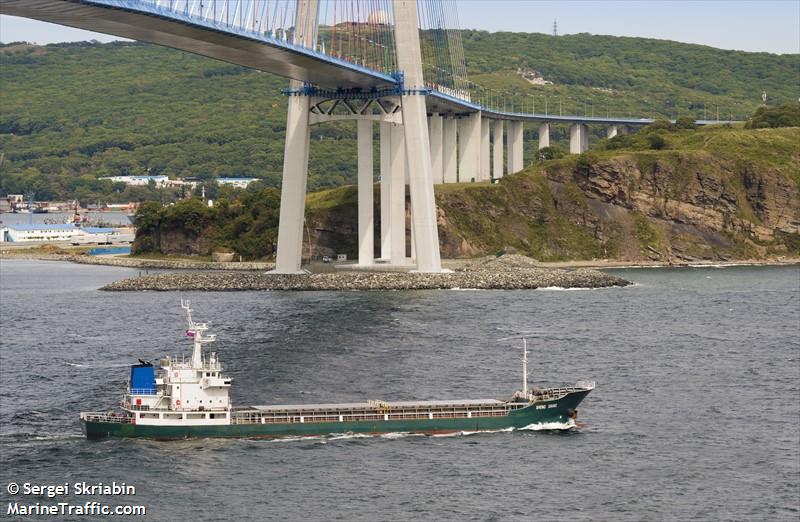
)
(59, 232)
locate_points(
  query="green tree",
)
(771, 117)
(656, 141)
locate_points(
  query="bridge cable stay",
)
(360, 32)
(441, 49)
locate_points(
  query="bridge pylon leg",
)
(289, 257)
(293, 189)
(417, 142)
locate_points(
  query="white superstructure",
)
(186, 392)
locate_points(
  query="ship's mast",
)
(524, 366)
(196, 331)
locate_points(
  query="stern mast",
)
(525, 366)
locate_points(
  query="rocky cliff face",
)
(175, 241)
(667, 206)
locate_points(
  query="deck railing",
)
(104, 417)
(259, 417)
(143, 391)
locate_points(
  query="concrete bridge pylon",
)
(295, 156)
(417, 142)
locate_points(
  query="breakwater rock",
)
(473, 278)
(166, 264)
(137, 262)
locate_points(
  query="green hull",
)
(556, 411)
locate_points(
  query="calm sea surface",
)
(696, 415)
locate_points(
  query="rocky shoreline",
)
(150, 264)
(497, 274)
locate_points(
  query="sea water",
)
(696, 414)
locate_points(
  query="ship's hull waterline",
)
(559, 411)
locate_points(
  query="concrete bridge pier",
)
(616, 130)
(485, 170)
(386, 180)
(435, 132)
(469, 137)
(449, 153)
(397, 197)
(544, 135)
(514, 147)
(366, 241)
(497, 149)
(578, 138)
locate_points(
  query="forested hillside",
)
(72, 113)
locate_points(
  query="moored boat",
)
(190, 398)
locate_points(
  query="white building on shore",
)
(139, 181)
(59, 232)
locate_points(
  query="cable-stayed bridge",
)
(396, 62)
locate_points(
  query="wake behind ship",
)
(186, 399)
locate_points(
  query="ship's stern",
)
(104, 425)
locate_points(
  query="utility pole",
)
(555, 27)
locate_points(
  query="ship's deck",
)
(373, 411)
(377, 405)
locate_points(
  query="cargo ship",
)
(190, 398)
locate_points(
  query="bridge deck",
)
(147, 23)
